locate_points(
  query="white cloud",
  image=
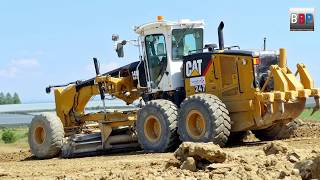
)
(17, 66)
(8, 72)
(25, 62)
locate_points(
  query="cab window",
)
(186, 41)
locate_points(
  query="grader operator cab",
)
(191, 92)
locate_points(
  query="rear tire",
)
(45, 135)
(277, 131)
(204, 118)
(157, 126)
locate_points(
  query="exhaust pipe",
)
(282, 58)
(220, 35)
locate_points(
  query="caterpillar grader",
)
(187, 91)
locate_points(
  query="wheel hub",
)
(39, 135)
(152, 128)
(195, 124)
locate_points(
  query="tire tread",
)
(170, 112)
(217, 110)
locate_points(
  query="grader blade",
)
(91, 144)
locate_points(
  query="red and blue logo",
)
(301, 19)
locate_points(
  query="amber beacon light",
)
(159, 18)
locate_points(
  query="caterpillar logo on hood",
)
(193, 68)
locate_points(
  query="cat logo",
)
(193, 68)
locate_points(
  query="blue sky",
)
(52, 42)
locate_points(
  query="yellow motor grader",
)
(187, 91)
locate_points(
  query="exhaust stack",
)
(282, 58)
(220, 35)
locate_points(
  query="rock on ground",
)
(189, 164)
(293, 157)
(309, 168)
(275, 148)
(200, 151)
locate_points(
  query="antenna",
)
(264, 43)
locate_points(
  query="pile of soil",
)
(308, 129)
(275, 160)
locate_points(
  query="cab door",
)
(156, 59)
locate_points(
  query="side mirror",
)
(119, 48)
(115, 37)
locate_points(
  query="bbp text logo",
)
(301, 19)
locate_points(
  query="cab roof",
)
(184, 23)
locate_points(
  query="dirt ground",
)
(247, 160)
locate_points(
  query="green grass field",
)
(20, 131)
(306, 115)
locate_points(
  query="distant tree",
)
(16, 99)
(2, 98)
(8, 99)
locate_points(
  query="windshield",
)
(186, 41)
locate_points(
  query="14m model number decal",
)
(198, 83)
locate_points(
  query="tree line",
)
(9, 99)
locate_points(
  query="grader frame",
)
(220, 97)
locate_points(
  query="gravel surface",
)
(293, 158)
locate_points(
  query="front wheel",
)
(45, 135)
(204, 118)
(157, 126)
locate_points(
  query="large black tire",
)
(45, 135)
(277, 131)
(204, 118)
(157, 126)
